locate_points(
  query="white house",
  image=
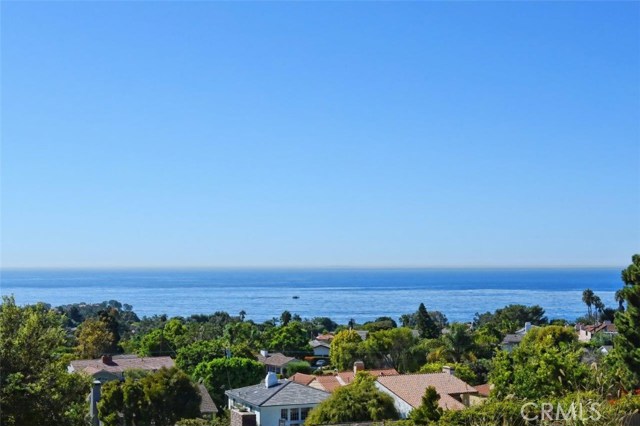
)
(320, 348)
(274, 402)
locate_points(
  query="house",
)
(321, 348)
(407, 390)
(605, 349)
(333, 382)
(273, 403)
(587, 332)
(327, 337)
(275, 362)
(108, 368)
(510, 341)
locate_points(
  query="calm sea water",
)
(362, 294)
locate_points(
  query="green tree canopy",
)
(222, 374)
(360, 401)
(626, 353)
(35, 388)
(160, 398)
(345, 349)
(429, 412)
(94, 339)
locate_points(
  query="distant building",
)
(407, 390)
(510, 341)
(275, 362)
(273, 403)
(588, 332)
(320, 348)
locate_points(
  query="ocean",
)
(341, 294)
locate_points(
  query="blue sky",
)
(320, 134)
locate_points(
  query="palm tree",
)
(620, 299)
(587, 298)
(599, 307)
(242, 314)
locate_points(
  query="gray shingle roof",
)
(512, 338)
(207, 406)
(284, 393)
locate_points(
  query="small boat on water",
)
(296, 297)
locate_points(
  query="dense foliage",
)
(222, 374)
(159, 399)
(360, 401)
(35, 388)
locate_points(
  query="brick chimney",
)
(242, 418)
(106, 359)
(358, 366)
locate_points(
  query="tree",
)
(155, 344)
(345, 349)
(390, 348)
(425, 324)
(222, 374)
(619, 296)
(285, 317)
(587, 298)
(543, 365)
(94, 339)
(360, 401)
(242, 315)
(455, 346)
(290, 338)
(298, 367)
(626, 353)
(429, 411)
(35, 388)
(203, 351)
(160, 398)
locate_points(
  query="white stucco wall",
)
(321, 351)
(403, 407)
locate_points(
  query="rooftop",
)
(411, 388)
(286, 392)
(275, 359)
(119, 363)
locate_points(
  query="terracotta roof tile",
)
(303, 379)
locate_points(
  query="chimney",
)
(106, 359)
(264, 352)
(242, 418)
(358, 366)
(527, 326)
(271, 380)
(448, 370)
(94, 397)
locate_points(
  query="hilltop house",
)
(407, 390)
(273, 403)
(275, 362)
(108, 368)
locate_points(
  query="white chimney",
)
(527, 327)
(448, 370)
(264, 353)
(271, 379)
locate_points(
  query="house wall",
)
(320, 351)
(401, 405)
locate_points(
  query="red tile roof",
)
(483, 390)
(303, 379)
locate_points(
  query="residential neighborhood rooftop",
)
(285, 392)
(275, 359)
(117, 364)
(411, 388)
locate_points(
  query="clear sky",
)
(320, 134)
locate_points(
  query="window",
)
(283, 414)
(304, 412)
(294, 414)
